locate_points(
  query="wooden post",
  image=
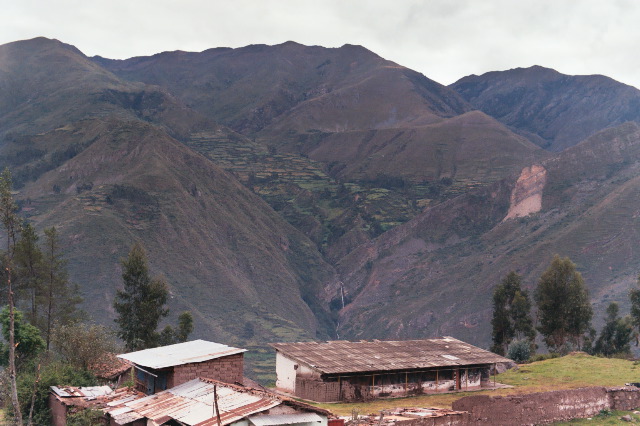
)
(494, 375)
(466, 379)
(406, 382)
(215, 402)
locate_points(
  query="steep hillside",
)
(389, 138)
(344, 107)
(434, 275)
(94, 156)
(471, 147)
(227, 256)
(553, 110)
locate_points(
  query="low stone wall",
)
(540, 408)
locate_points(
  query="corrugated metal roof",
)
(284, 419)
(180, 353)
(192, 403)
(342, 357)
(87, 391)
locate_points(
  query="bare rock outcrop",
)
(526, 197)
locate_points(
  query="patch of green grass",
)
(606, 418)
(572, 371)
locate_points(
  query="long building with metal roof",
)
(343, 370)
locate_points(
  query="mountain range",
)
(296, 192)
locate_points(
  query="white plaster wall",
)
(441, 386)
(304, 371)
(427, 387)
(470, 381)
(285, 373)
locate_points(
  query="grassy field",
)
(569, 372)
(605, 418)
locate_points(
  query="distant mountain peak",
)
(551, 109)
(41, 43)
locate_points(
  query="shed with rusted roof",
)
(348, 371)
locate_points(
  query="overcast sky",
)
(443, 39)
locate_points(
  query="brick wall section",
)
(58, 411)
(317, 390)
(227, 369)
(449, 420)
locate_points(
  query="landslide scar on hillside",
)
(526, 197)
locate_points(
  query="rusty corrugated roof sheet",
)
(109, 366)
(97, 397)
(180, 353)
(192, 403)
(342, 357)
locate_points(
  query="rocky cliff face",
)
(526, 197)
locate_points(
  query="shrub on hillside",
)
(543, 357)
(519, 351)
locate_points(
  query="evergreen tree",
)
(521, 316)
(29, 270)
(11, 223)
(615, 335)
(169, 335)
(511, 314)
(564, 310)
(60, 299)
(185, 326)
(634, 297)
(140, 305)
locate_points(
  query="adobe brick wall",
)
(461, 419)
(317, 390)
(543, 407)
(58, 411)
(227, 369)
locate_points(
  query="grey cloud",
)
(444, 39)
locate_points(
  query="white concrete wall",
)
(285, 373)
